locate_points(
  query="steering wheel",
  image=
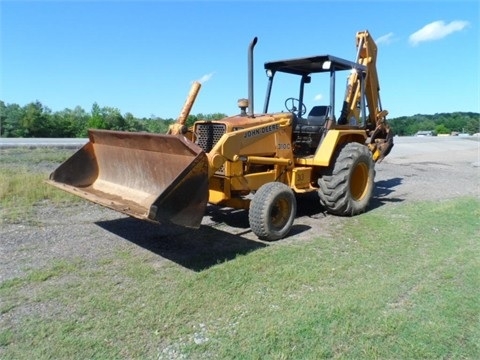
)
(290, 105)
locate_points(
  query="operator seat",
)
(315, 121)
(308, 132)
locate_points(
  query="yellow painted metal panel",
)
(216, 197)
(302, 177)
(332, 140)
(219, 190)
(258, 179)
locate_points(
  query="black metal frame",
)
(303, 67)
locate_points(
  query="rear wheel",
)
(347, 186)
(272, 211)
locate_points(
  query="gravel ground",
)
(433, 168)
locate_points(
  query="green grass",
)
(24, 156)
(395, 283)
(22, 175)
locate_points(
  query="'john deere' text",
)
(264, 130)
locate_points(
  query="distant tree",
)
(205, 117)
(114, 119)
(60, 126)
(79, 119)
(70, 123)
(3, 117)
(36, 120)
(191, 119)
(214, 116)
(473, 125)
(428, 124)
(442, 129)
(11, 126)
(96, 120)
(158, 125)
(133, 124)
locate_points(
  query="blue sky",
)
(142, 56)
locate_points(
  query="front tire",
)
(272, 211)
(347, 186)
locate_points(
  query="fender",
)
(333, 139)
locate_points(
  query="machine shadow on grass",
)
(307, 205)
(200, 249)
(195, 249)
(383, 191)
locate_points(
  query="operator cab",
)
(310, 128)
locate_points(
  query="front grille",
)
(208, 135)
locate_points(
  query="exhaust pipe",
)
(250, 76)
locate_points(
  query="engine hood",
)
(241, 121)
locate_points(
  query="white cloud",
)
(205, 78)
(318, 97)
(385, 39)
(436, 30)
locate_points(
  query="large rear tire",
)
(272, 211)
(347, 186)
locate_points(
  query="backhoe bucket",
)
(161, 178)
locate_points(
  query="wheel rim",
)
(279, 213)
(359, 182)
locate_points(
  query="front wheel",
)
(272, 211)
(347, 186)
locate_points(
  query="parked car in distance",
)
(425, 133)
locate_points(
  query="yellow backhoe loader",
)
(251, 161)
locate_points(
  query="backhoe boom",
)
(381, 138)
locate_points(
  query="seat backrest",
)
(318, 115)
(314, 123)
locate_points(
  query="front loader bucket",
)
(161, 178)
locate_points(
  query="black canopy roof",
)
(313, 64)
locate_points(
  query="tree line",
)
(37, 120)
(443, 123)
